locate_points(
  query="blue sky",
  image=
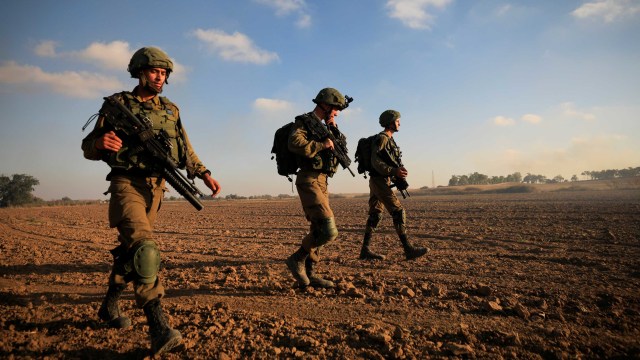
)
(544, 87)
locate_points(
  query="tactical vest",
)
(393, 150)
(390, 148)
(165, 119)
(323, 161)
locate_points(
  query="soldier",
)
(317, 164)
(137, 190)
(384, 155)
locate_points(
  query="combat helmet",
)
(149, 57)
(388, 117)
(331, 97)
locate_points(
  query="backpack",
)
(286, 161)
(363, 154)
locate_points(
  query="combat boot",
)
(163, 337)
(314, 279)
(109, 311)
(365, 253)
(411, 252)
(296, 264)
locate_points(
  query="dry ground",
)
(538, 275)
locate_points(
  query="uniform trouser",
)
(313, 190)
(381, 196)
(133, 208)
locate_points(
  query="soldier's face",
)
(333, 113)
(330, 112)
(156, 77)
(397, 124)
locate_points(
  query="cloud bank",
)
(236, 47)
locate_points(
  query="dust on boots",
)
(296, 264)
(163, 337)
(314, 279)
(365, 252)
(110, 311)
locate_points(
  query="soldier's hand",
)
(401, 173)
(109, 141)
(328, 144)
(331, 122)
(212, 184)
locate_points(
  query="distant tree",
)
(463, 180)
(557, 179)
(534, 179)
(16, 191)
(478, 179)
(574, 178)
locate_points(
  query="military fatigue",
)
(136, 187)
(381, 196)
(316, 167)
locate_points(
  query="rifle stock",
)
(142, 130)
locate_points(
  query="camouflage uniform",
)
(382, 196)
(137, 189)
(317, 165)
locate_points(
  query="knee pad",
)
(326, 231)
(146, 262)
(373, 221)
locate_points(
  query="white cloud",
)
(46, 48)
(286, 7)
(304, 21)
(272, 105)
(569, 109)
(531, 118)
(608, 10)
(606, 151)
(70, 83)
(415, 13)
(113, 56)
(503, 121)
(234, 47)
(503, 10)
(107, 56)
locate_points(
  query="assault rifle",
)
(399, 183)
(158, 146)
(321, 132)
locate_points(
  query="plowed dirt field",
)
(550, 275)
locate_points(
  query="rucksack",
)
(286, 161)
(363, 154)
